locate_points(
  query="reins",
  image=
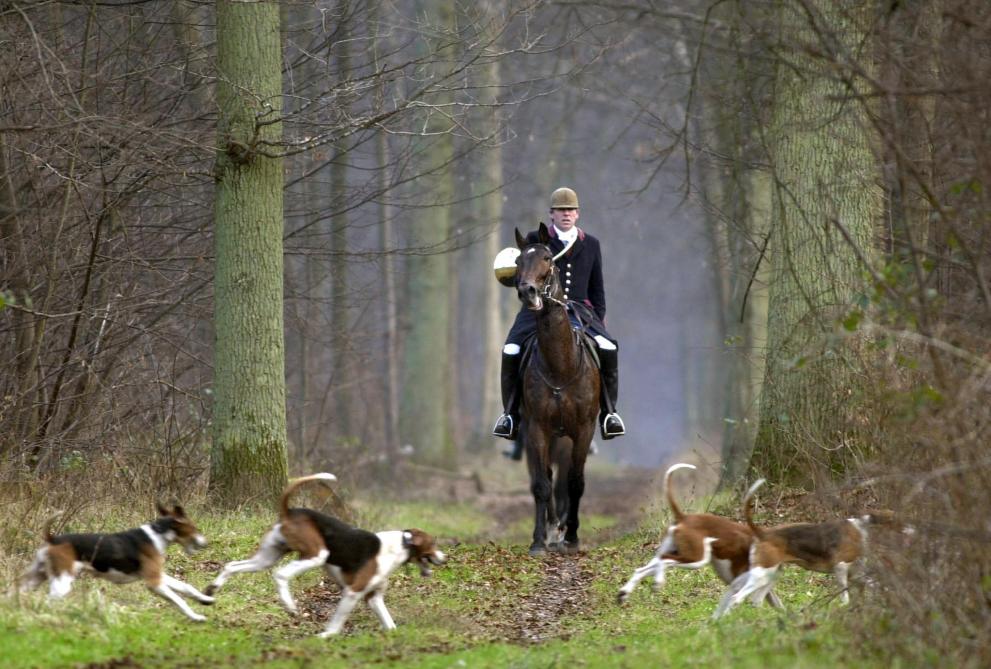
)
(556, 391)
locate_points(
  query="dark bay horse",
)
(560, 400)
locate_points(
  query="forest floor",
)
(492, 605)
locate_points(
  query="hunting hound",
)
(830, 547)
(695, 540)
(124, 557)
(359, 561)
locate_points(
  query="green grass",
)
(445, 520)
(463, 616)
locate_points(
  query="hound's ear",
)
(178, 512)
(542, 234)
(520, 242)
(162, 511)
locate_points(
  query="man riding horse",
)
(580, 269)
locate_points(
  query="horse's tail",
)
(678, 514)
(748, 509)
(295, 485)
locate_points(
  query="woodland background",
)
(792, 198)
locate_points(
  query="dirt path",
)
(563, 592)
(564, 588)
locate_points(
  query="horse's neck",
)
(556, 344)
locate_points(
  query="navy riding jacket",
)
(580, 270)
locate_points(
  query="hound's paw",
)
(197, 618)
(622, 596)
(211, 590)
(208, 600)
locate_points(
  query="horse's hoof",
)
(537, 549)
(554, 547)
(570, 547)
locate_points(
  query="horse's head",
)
(536, 272)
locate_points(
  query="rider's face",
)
(564, 219)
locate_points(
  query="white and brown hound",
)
(124, 557)
(359, 561)
(695, 540)
(830, 547)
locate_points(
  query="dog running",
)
(830, 547)
(124, 557)
(358, 560)
(695, 540)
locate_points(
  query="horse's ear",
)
(520, 242)
(542, 234)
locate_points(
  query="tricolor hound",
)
(359, 561)
(123, 557)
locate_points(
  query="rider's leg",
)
(508, 424)
(611, 425)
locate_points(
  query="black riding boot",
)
(611, 425)
(509, 422)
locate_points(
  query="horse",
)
(561, 387)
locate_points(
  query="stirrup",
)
(505, 427)
(612, 426)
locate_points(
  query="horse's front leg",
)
(540, 487)
(576, 488)
(561, 453)
(555, 511)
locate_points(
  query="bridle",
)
(553, 280)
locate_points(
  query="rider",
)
(580, 271)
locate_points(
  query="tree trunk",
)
(248, 460)
(426, 392)
(390, 377)
(825, 204)
(343, 373)
(489, 186)
(23, 323)
(739, 215)
(746, 314)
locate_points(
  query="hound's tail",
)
(678, 514)
(46, 530)
(295, 485)
(748, 509)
